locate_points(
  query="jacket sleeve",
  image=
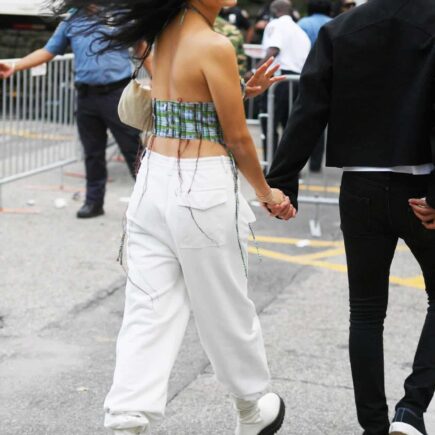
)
(308, 119)
(430, 197)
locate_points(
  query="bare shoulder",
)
(217, 46)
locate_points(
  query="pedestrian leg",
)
(93, 135)
(369, 262)
(213, 265)
(156, 312)
(127, 138)
(420, 385)
(370, 247)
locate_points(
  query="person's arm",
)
(219, 67)
(424, 208)
(430, 198)
(38, 57)
(308, 119)
(250, 34)
(57, 44)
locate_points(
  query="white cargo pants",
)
(183, 254)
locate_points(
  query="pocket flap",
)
(203, 199)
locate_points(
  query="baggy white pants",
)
(183, 254)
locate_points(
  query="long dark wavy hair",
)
(128, 21)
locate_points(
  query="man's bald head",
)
(281, 7)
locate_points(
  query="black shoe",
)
(407, 422)
(90, 210)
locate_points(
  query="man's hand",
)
(424, 212)
(263, 78)
(6, 70)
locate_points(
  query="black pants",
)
(374, 215)
(97, 112)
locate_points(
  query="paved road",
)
(61, 306)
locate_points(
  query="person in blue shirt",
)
(100, 80)
(319, 12)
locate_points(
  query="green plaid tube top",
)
(186, 120)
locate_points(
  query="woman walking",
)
(187, 223)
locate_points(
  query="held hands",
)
(6, 70)
(277, 204)
(263, 79)
(423, 212)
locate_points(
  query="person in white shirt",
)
(290, 45)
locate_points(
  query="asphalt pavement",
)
(62, 299)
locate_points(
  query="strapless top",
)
(186, 120)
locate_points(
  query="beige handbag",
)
(135, 106)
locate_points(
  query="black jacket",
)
(371, 78)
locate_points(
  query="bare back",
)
(179, 56)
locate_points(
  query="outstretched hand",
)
(263, 78)
(6, 70)
(424, 212)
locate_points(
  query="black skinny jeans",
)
(374, 215)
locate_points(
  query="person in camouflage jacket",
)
(235, 36)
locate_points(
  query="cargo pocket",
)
(201, 218)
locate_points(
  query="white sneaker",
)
(262, 417)
(407, 422)
(400, 428)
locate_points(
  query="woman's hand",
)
(277, 204)
(263, 78)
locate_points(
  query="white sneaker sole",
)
(399, 428)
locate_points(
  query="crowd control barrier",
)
(37, 125)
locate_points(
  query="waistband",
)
(156, 159)
(388, 178)
(103, 89)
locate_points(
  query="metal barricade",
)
(254, 53)
(37, 131)
(314, 190)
